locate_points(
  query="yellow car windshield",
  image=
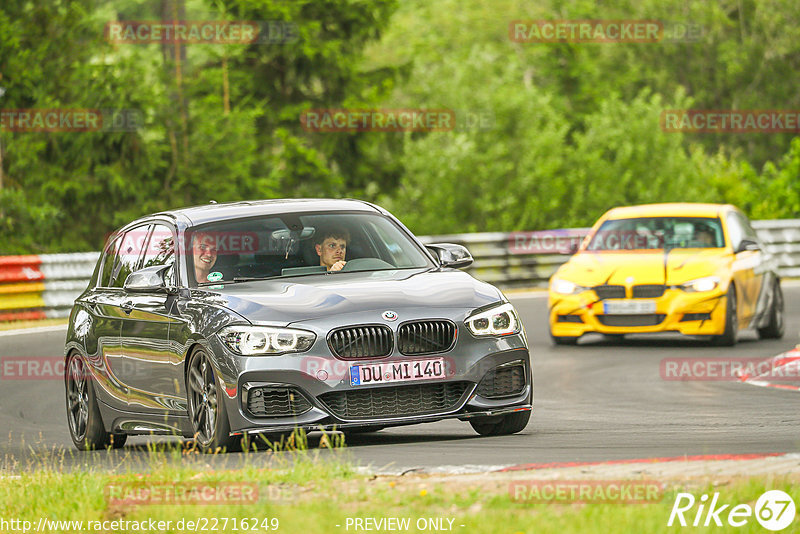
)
(658, 233)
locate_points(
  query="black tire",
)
(85, 423)
(775, 328)
(207, 414)
(564, 340)
(501, 425)
(118, 440)
(728, 337)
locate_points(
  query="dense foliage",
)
(574, 127)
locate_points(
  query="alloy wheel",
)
(203, 396)
(78, 398)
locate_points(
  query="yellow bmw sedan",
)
(697, 269)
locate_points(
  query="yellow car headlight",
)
(565, 287)
(707, 283)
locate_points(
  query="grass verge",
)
(307, 494)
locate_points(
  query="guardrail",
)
(44, 286)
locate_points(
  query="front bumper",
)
(462, 416)
(695, 314)
(315, 373)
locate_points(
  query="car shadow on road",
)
(656, 340)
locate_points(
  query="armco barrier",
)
(496, 263)
(781, 237)
(44, 286)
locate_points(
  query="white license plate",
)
(628, 307)
(402, 371)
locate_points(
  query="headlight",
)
(701, 284)
(267, 340)
(499, 321)
(565, 287)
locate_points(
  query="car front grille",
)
(503, 381)
(610, 292)
(273, 401)
(644, 319)
(426, 337)
(397, 401)
(357, 342)
(648, 291)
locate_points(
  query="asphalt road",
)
(601, 400)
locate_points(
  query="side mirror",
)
(747, 244)
(147, 280)
(451, 255)
(574, 246)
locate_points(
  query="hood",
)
(648, 267)
(304, 298)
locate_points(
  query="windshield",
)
(298, 245)
(658, 233)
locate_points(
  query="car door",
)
(745, 267)
(151, 371)
(760, 293)
(102, 304)
(115, 305)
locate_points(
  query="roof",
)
(674, 209)
(253, 208)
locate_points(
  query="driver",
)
(704, 236)
(331, 247)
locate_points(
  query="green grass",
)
(308, 494)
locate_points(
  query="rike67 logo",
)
(774, 510)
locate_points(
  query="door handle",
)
(127, 307)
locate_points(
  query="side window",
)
(749, 233)
(109, 260)
(161, 251)
(132, 245)
(735, 230)
(390, 247)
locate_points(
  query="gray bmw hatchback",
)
(225, 320)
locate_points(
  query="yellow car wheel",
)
(564, 340)
(728, 337)
(775, 327)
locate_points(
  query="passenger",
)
(331, 247)
(204, 250)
